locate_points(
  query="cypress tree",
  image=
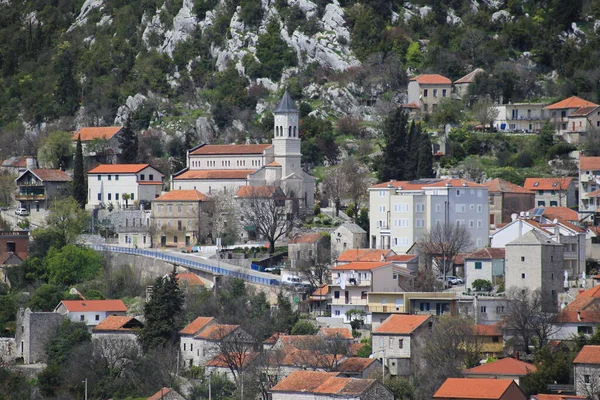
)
(129, 144)
(425, 168)
(392, 162)
(79, 186)
(412, 146)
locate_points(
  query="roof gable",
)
(474, 388)
(505, 366)
(47, 175)
(196, 325)
(470, 77)
(118, 323)
(96, 132)
(432, 79)
(402, 324)
(570, 102)
(487, 253)
(230, 149)
(93, 305)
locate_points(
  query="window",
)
(495, 339)
(363, 294)
(132, 197)
(99, 196)
(109, 197)
(178, 208)
(99, 177)
(523, 276)
(169, 209)
(434, 92)
(97, 317)
(499, 309)
(425, 92)
(553, 203)
(391, 342)
(471, 223)
(480, 207)
(541, 203)
(460, 208)
(423, 306)
(117, 196)
(382, 193)
(109, 177)
(337, 313)
(586, 378)
(174, 239)
(443, 92)
(479, 223)
(151, 177)
(586, 330)
(483, 309)
(81, 318)
(381, 208)
(336, 294)
(400, 343)
(179, 225)
(522, 259)
(477, 264)
(191, 347)
(189, 208)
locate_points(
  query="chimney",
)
(382, 257)
(579, 316)
(514, 216)
(464, 184)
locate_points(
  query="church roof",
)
(230, 149)
(286, 104)
(215, 174)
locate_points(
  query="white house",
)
(589, 188)
(580, 316)
(90, 312)
(520, 117)
(487, 264)
(189, 357)
(427, 91)
(100, 142)
(400, 212)
(398, 339)
(586, 368)
(566, 114)
(123, 184)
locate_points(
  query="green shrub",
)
(317, 209)
(482, 285)
(304, 327)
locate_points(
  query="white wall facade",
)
(520, 117)
(109, 187)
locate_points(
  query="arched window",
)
(295, 133)
(290, 131)
(276, 131)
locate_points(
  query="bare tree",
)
(335, 187)
(484, 111)
(442, 243)
(236, 350)
(222, 219)
(321, 352)
(526, 319)
(315, 269)
(204, 222)
(356, 177)
(268, 211)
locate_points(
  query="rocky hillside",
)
(206, 70)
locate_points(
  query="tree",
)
(72, 264)
(482, 285)
(442, 243)
(79, 186)
(304, 327)
(285, 318)
(425, 166)
(65, 222)
(526, 319)
(129, 143)
(46, 298)
(163, 314)
(395, 128)
(484, 111)
(401, 388)
(235, 350)
(316, 268)
(335, 187)
(356, 177)
(449, 111)
(126, 197)
(269, 213)
(57, 150)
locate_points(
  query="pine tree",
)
(425, 167)
(79, 186)
(129, 144)
(392, 163)
(163, 313)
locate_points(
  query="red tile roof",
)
(322, 383)
(215, 174)
(501, 186)
(402, 324)
(366, 255)
(118, 323)
(16, 162)
(190, 279)
(427, 183)
(334, 333)
(432, 79)
(238, 359)
(160, 394)
(474, 388)
(307, 238)
(255, 191)
(193, 327)
(583, 111)
(556, 397)
(547, 183)
(231, 149)
(216, 332)
(273, 164)
(487, 330)
(354, 364)
(321, 291)
(412, 105)
(296, 341)
(362, 266)
(589, 163)
(571, 102)
(561, 213)
(50, 175)
(100, 132)
(487, 253)
(505, 366)
(182, 195)
(584, 309)
(94, 305)
(118, 168)
(470, 77)
(588, 355)
(402, 258)
(310, 358)
(593, 292)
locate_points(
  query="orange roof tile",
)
(255, 191)
(487, 253)
(402, 258)
(190, 279)
(561, 213)
(160, 394)
(118, 168)
(354, 364)
(232, 149)
(571, 102)
(50, 175)
(362, 266)
(307, 238)
(238, 359)
(296, 341)
(402, 324)
(310, 358)
(150, 183)
(584, 309)
(182, 195)
(273, 164)
(470, 77)
(94, 305)
(547, 183)
(216, 332)
(420, 184)
(588, 355)
(556, 397)
(455, 183)
(97, 132)
(593, 292)
(16, 162)
(589, 163)
(412, 105)
(334, 333)
(215, 174)
(487, 330)
(118, 323)
(505, 366)
(323, 383)
(501, 186)
(583, 111)
(432, 79)
(321, 291)
(272, 339)
(366, 255)
(474, 388)
(193, 327)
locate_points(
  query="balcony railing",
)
(355, 301)
(386, 309)
(352, 282)
(31, 183)
(25, 196)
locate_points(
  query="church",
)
(228, 167)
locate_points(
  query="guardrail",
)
(188, 263)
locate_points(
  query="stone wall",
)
(34, 329)
(8, 350)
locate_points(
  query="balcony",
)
(386, 309)
(353, 301)
(586, 178)
(30, 183)
(352, 282)
(30, 196)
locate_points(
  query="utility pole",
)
(85, 381)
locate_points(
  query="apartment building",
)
(520, 117)
(383, 304)
(401, 212)
(561, 113)
(553, 192)
(589, 187)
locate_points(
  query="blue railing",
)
(188, 263)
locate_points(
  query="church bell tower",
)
(286, 137)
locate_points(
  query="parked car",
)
(454, 280)
(22, 211)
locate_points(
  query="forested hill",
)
(214, 66)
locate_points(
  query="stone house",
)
(487, 264)
(399, 339)
(586, 371)
(117, 328)
(426, 91)
(347, 236)
(181, 217)
(505, 368)
(189, 357)
(506, 199)
(37, 188)
(90, 312)
(359, 367)
(34, 329)
(578, 317)
(100, 144)
(479, 389)
(560, 113)
(14, 247)
(309, 247)
(553, 192)
(534, 261)
(461, 86)
(309, 385)
(580, 122)
(17, 165)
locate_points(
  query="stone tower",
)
(286, 138)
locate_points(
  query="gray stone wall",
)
(7, 350)
(34, 329)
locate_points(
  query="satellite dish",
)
(73, 291)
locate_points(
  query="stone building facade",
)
(34, 329)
